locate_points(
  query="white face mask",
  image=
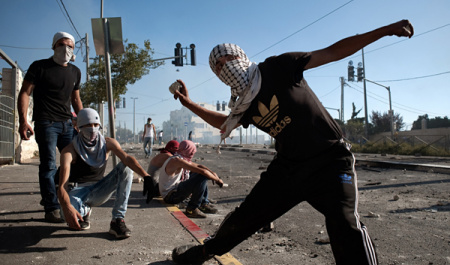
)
(89, 133)
(62, 55)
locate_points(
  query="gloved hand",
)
(149, 188)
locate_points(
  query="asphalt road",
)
(406, 212)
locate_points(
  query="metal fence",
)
(6, 129)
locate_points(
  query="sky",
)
(417, 70)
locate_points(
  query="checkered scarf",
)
(242, 76)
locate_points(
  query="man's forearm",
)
(211, 117)
(22, 106)
(132, 163)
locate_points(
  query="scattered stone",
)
(374, 215)
(323, 240)
(396, 197)
(137, 180)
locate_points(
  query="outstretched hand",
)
(403, 28)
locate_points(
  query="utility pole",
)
(87, 58)
(366, 125)
(134, 119)
(341, 114)
(360, 78)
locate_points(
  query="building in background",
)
(183, 123)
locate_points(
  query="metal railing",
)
(6, 129)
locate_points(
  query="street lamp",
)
(391, 112)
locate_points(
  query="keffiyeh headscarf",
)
(242, 76)
(187, 149)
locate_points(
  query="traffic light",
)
(360, 71)
(124, 106)
(179, 55)
(351, 73)
(192, 46)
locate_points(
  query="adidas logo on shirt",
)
(269, 117)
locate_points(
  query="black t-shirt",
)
(287, 109)
(54, 85)
(81, 172)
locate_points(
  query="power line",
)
(310, 24)
(331, 91)
(68, 16)
(415, 36)
(413, 78)
(397, 105)
(26, 48)
(278, 42)
(366, 52)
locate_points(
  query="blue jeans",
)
(195, 185)
(119, 180)
(148, 141)
(49, 136)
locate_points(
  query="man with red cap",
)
(181, 177)
(150, 182)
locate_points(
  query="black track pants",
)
(328, 183)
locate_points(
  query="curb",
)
(197, 232)
(368, 162)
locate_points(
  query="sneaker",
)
(86, 224)
(54, 216)
(190, 254)
(196, 213)
(119, 229)
(206, 208)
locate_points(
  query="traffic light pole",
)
(179, 50)
(391, 112)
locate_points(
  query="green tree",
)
(126, 69)
(382, 122)
(437, 122)
(354, 128)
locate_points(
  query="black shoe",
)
(190, 254)
(119, 229)
(54, 216)
(85, 224)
